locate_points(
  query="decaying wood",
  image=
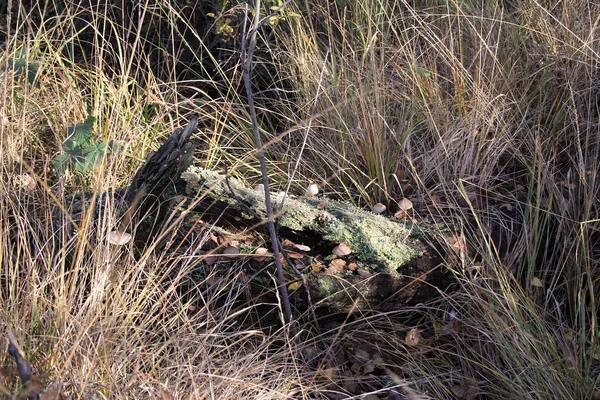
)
(31, 388)
(162, 169)
(392, 261)
(145, 202)
(392, 258)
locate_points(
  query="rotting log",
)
(394, 263)
(146, 201)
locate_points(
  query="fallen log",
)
(145, 202)
(390, 262)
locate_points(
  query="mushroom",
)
(231, 251)
(378, 208)
(405, 204)
(341, 250)
(260, 254)
(312, 189)
(118, 238)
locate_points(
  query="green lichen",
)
(372, 238)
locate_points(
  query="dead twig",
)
(248, 46)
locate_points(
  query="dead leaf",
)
(295, 256)
(466, 391)
(400, 214)
(165, 395)
(33, 388)
(292, 287)
(452, 328)
(213, 238)
(337, 266)
(536, 282)
(413, 337)
(362, 363)
(302, 247)
(363, 273)
(25, 182)
(352, 266)
(436, 199)
(457, 243)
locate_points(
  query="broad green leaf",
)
(94, 153)
(61, 163)
(81, 133)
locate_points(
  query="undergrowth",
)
(484, 114)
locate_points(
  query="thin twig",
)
(283, 251)
(247, 53)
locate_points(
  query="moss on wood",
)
(372, 238)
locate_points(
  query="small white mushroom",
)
(378, 208)
(302, 247)
(260, 188)
(405, 204)
(260, 254)
(312, 189)
(118, 238)
(341, 250)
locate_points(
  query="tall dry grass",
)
(489, 106)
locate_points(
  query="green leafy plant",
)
(80, 152)
(282, 13)
(21, 67)
(223, 26)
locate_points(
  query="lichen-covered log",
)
(393, 260)
(391, 264)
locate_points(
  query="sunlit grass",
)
(491, 107)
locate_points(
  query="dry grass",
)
(491, 107)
